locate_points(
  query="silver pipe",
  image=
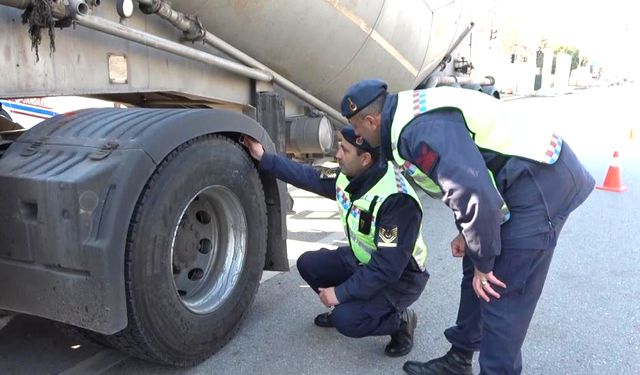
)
(116, 29)
(59, 9)
(79, 7)
(225, 47)
(447, 57)
(185, 24)
(435, 81)
(21, 4)
(449, 80)
(461, 37)
(432, 82)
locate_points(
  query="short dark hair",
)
(374, 108)
(374, 155)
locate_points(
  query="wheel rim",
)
(208, 249)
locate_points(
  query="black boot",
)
(323, 320)
(455, 362)
(402, 341)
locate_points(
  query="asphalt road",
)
(587, 321)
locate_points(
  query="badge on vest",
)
(364, 225)
(388, 237)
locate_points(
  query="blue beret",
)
(360, 95)
(350, 136)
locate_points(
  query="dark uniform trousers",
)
(497, 329)
(377, 316)
(540, 199)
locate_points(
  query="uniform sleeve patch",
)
(427, 158)
(388, 237)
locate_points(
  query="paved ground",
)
(587, 322)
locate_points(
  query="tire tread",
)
(132, 339)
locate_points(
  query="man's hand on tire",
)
(255, 148)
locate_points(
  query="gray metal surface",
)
(115, 29)
(339, 41)
(192, 29)
(79, 65)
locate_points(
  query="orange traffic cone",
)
(612, 181)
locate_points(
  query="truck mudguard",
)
(69, 186)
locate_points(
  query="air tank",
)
(325, 45)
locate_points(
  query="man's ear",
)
(374, 121)
(378, 120)
(367, 159)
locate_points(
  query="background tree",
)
(573, 51)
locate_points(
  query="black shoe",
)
(455, 362)
(323, 320)
(402, 341)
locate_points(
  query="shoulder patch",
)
(388, 237)
(329, 173)
(427, 158)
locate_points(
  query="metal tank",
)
(325, 45)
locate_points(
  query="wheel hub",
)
(208, 248)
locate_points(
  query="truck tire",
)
(195, 253)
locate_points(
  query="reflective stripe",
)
(553, 150)
(387, 244)
(28, 110)
(355, 241)
(427, 184)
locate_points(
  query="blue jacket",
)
(539, 196)
(392, 271)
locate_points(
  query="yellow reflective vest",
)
(490, 125)
(352, 213)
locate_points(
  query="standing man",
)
(371, 283)
(510, 187)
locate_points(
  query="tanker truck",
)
(148, 226)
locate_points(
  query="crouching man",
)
(371, 283)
